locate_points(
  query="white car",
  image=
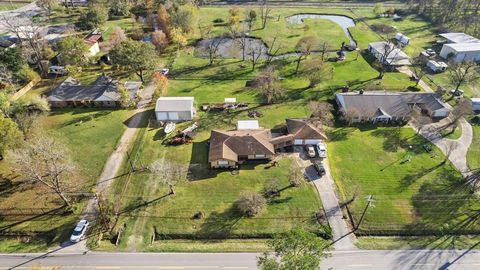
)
(310, 151)
(164, 71)
(322, 150)
(430, 52)
(79, 231)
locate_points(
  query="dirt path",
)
(113, 165)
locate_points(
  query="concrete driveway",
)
(343, 236)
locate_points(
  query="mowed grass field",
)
(146, 204)
(425, 195)
(473, 156)
(90, 136)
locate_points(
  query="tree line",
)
(461, 15)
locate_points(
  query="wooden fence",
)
(25, 89)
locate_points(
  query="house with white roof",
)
(175, 109)
(460, 47)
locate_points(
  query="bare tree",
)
(317, 71)
(268, 84)
(295, 176)
(242, 43)
(255, 54)
(251, 203)
(304, 49)
(27, 123)
(462, 73)
(167, 172)
(322, 111)
(325, 45)
(264, 13)
(463, 108)
(387, 55)
(212, 49)
(418, 69)
(105, 214)
(419, 120)
(29, 36)
(273, 49)
(46, 161)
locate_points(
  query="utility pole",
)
(369, 205)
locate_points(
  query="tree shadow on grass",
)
(393, 139)
(409, 179)
(446, 205)
(86, 118)
(340, 134)
(219, 225)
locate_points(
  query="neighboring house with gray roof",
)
(103, 92)
(384, 107)
(388, 54)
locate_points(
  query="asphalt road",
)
(369, 259)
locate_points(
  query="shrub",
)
(251, 203)
(218, 20)
(272, 188)
(296, 175)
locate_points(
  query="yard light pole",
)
(369, 204)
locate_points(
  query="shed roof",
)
(464, 47)
(460, 38)
(174, 104)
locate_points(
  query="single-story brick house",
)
(230, 148)
(300, 132)
(103, 92)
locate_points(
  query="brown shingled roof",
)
(304, 129)
(228, 145)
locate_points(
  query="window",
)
(259, 156)
(222, 162)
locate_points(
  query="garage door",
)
(173, 116)
(161, 116)
(298, 142)
(312, 141)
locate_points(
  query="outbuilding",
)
(437, 66)
(402, 39)
(175, 109)
(388, 54)
(476, 104)
(460, 47)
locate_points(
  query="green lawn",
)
(473, 156)
(423, 195)
(10, 6)
(451, 134)
(91, 136)
(426, 242)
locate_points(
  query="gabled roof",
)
(394, 104)
(174, 104)
(381, 113)
(460, 38)
(228, 145)
(304, 129)
(103, 89)
(395, 57)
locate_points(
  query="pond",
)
(231, 48)
(344, 22)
